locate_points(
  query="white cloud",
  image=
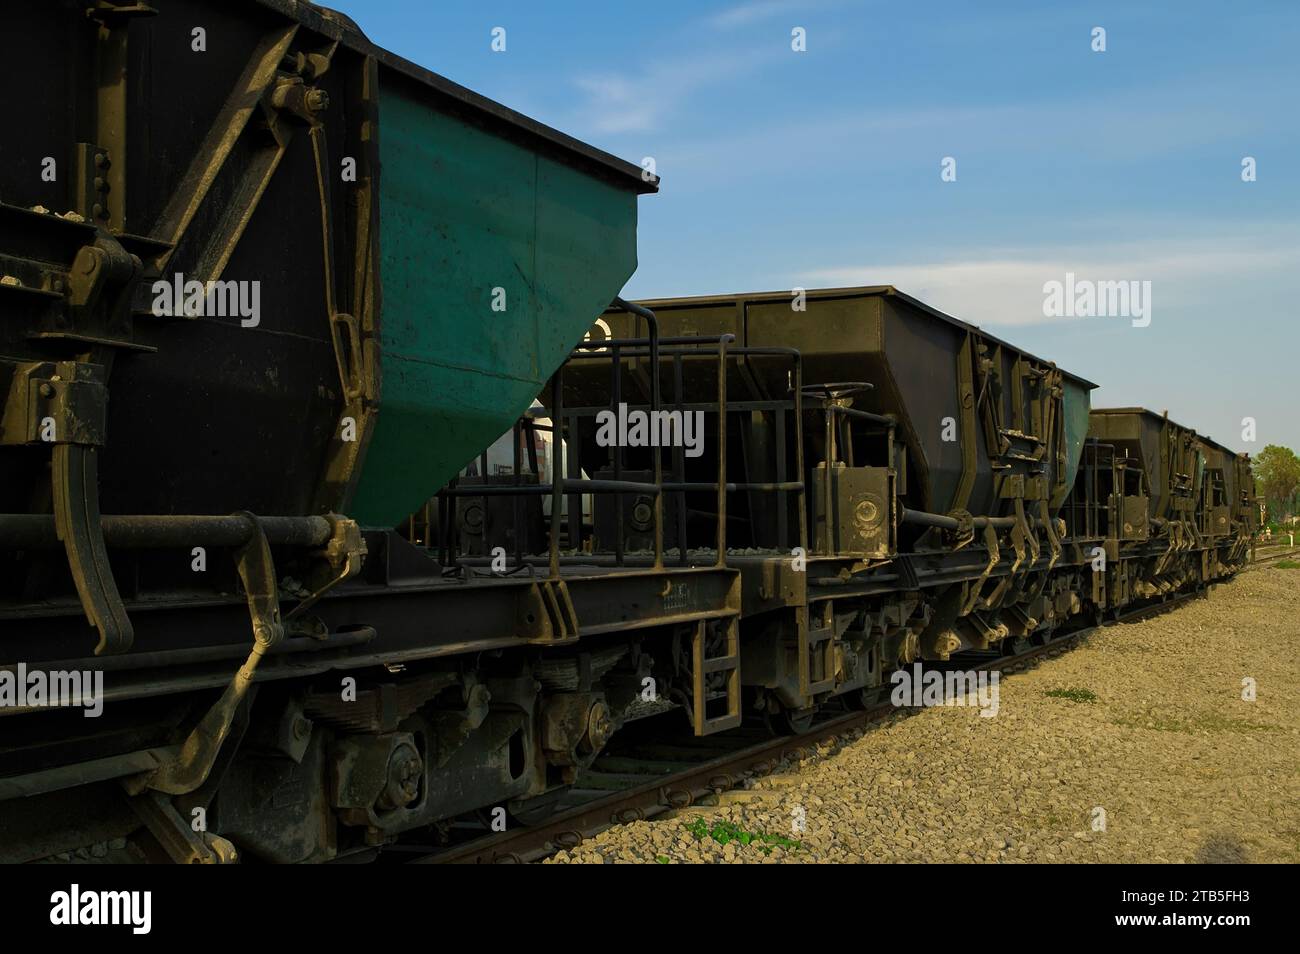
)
(641, 100)
(1007, 289)
(747, 13)
(1119, 127)
(618, 105)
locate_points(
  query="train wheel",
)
(797, 721)
(536, 810)
(864, 698)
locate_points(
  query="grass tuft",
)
(1074, 695)
(726, 832)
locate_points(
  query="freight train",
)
(271, 293)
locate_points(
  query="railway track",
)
(662, 777)
(1265, 555)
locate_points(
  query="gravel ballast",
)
(1145, 752)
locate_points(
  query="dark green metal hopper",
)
(375, 211)
(464, 210)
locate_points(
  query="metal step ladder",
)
(816, 645)
(703, 666)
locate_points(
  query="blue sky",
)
(822, 168)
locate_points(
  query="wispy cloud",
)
(1006, 288)
(644, 100)
(641, 101)
(1124, 131)
(746, 13)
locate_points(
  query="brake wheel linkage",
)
(195, 757)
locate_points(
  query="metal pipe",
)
(652, 327)
(616, 389)
(206, 654)
(797, 398)
(922, 519)
(769, 486)
(782, 501)
(679, 462)
(723, 341)
(557, 478)
(36, 531)
(588, 351)
(518, 503)
(863, 415)
(583, 485)
(707, 407)
(828, 454)
(573, 466)
(638, 347)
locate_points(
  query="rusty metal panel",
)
(862, 521)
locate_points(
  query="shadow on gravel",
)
(1220, 849)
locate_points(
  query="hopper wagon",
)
(345, 507)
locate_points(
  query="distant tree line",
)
(1277, 476)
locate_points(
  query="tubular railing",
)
(567, 486)
(696, 346)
